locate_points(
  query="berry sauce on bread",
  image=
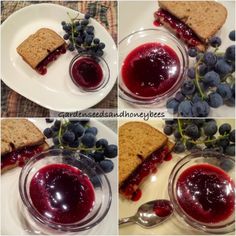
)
(141, 149)
(200, 20)
(41, 48)
(20, 140)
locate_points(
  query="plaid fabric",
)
(15, 105)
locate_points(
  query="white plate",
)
(55, 90)
(141, 17)
(155, 187)
(12, 222)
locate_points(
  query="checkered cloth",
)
(15, 105)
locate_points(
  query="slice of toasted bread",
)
(44, 147)
(38, 46)
(18, 133)
(137, 140)
(205, 18)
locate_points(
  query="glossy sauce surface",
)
(150, 69)
(206, 193)
(87, 73)
(181, 29)
(19, 157)
(42, 66)
(162, 208)
(62, 193)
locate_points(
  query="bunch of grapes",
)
(80, 35)
(210, 83)
(77, 135)
(201, 134)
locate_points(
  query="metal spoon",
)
(150, 214)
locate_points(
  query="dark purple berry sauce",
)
(150, 69)
(42, 66)
(162, 208)
(206, 193)
(19, 157)
(62, 193)
(180, 28)
(87, 73)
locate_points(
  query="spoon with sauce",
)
(150, 214)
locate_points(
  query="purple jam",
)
(87, 73)
(62, 193)
(180, 28)
(150, 69)
(206, 193)
(129, 187)
(42, 67)
(19, 157)
(162, 208)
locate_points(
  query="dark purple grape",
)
(48, 132)
(102, 143)
(168, 130)
(224, 128)
(230, 150)
(110, 151)
(179, 147)
(232, 136)
(210, 128)
(192, 131)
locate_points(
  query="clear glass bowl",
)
(103, 65)
(212, 158)
(132, 41)
(99, 180)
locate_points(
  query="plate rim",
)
(57, 107)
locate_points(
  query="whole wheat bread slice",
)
(19, 133)
(137, 140)
(205, 18)
(38, 46)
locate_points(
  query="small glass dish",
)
(138, 38)
(101, 185)
(221, 161)
(91, 83)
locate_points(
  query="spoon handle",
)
(126, 220)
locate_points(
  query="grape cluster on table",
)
(78, 135)
(81, 36)
(201, 134)
(210, 83)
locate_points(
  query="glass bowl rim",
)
(156, 99)
(178, 209)
(102, 84)
(43, 220)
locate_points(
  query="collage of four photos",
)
(117, 117)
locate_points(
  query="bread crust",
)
(205, 18)
(39, 45)
(18, 133)
(137, 140)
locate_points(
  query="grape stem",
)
(219, 53)
(197, 77)
(72, 27)
(210, 141)
(180, 128)
(59, 133)
(228, 76)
